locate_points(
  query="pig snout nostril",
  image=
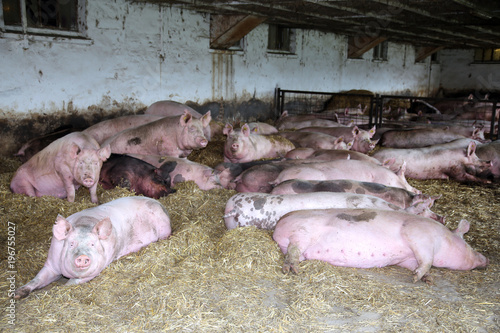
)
(82, 261)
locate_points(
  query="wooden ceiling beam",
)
(226, 30)
(357, 47)
(423, 52)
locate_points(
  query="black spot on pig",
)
(134, 141)
(363, 217)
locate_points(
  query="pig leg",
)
(292, 259)
(67, 178)
(93, 193)
(422, 247)
(78, 281)
(27, 188)
(45, 277)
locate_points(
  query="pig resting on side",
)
(88, 241)
(366, 238)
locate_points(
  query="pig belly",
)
(360, 249)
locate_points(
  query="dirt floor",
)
(207, 279)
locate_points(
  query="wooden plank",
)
(225, 30)
(422, 52)
(358, 46)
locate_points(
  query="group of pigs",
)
(310, 180)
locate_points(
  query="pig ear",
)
(355, 130)
(104, 153)
(389, 162)
(227, 129)
(462, 228)
(205, 120)
(471, 149)
(402, 169)
(185, 118)
(74, 150)
(168, 167)
(61, 228)
(339, 140)
(245, 130)
(103, 228)
(372, 131)
(349, 145)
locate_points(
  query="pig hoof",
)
(428, 279)
(21, 293)
(287, 267)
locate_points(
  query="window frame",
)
(24, 29)
(278, 32)
(491, 58)
(381, 51)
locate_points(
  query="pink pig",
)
(242, 145)
(366, 238)
(171, 136)
(87, 242)
(347, 169)
(61, 167)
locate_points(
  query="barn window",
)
(380, 51)
(281, 39)
(487, 55)
(44, 17)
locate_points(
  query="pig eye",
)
(92, 244)
(72, 244)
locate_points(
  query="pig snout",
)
(88, 181)
(235, 147)
(483, 262)
(82, 261)
(202, 142)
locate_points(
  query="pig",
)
(316, 140)
(228, 171)
(262, 128)
(105, 129)
(169, 136)
(259, 178)
(171, 108)
(366, 238)
(443, 161)
(288, 122)
(180, 170)
(395, 195)
(264, 210)
(88, 241)
(243, 146)
(475, 132)
(361, 139)
(330, 154)
(136, 175)
(418, 137)
(33, 146)
(60, 168)
(490, 152)
(167, 108)
(347, 169)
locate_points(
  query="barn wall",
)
(139, 53)
(459, 74)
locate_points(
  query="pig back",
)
(136, 221)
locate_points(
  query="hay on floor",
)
(205, 278)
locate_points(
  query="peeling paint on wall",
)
(138, 53)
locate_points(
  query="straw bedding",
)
(207, 279)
